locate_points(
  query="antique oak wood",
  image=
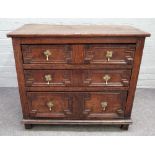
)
(81, 74)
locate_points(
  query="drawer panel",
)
(99, 105)
(109, 54)
(77, 105)
(52, 105)
(47, 54)
(106, 78)
(48, 78)
(77, 78)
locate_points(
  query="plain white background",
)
(77, 145)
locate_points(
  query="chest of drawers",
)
(77, 74)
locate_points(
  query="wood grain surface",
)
(35, 30)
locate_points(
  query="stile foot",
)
(124, 126)
(28, 126)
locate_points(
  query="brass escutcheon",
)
(109, 55)
(104, 105)
(47, 53)
(106, 78)
(50, 105)
(48, 78)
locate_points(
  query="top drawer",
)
(42, 54)
(98, 54)
(109, 54)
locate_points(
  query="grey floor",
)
(143, 117)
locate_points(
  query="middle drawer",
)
(77, 78)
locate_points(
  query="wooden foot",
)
(28, 126)
(124, 126)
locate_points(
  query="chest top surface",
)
(39, 30)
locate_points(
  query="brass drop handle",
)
(48, 78)
(50, 105)
(104, 105)
(109, 55)
(47, 53)
(106, 78)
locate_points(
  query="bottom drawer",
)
(102, 105)
(51, 105)
(77, 105)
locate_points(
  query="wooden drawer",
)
(47, 54)
(51, 105)
(77, 105)
(109, 54)
(77, 78)
(99, 105)
(48, 78)
(106, 78)
(118, 54)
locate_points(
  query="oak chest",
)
(77, 74)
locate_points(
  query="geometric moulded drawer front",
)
(48, 78)
(51, 105)
(106, 78)
(109, 54)
(93, 54)
(78, 78)
(47, 54)
(87, 105)
(102, 105)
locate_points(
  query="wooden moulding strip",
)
(77, 122)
